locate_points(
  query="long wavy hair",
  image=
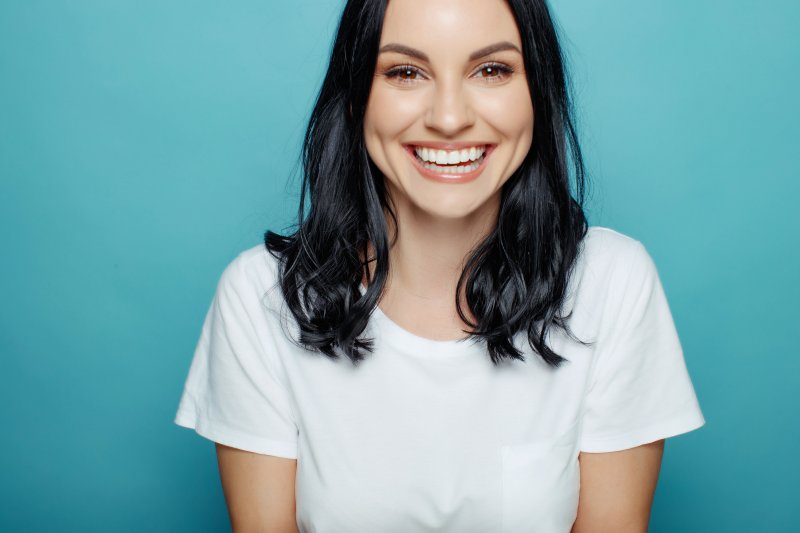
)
(514, 280)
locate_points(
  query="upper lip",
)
(442, 145)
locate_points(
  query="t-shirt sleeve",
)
(234, 394)
(640, 391)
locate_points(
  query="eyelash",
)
(504, 71)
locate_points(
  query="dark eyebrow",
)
(413, 52)
(496, 47)
(403, 49)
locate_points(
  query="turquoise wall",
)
(143, 144)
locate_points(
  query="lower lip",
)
(449, 178)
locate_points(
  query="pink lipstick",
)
(445, 176)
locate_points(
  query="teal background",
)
(144, 144)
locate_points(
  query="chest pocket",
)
(541, 483)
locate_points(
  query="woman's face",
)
(450, 79)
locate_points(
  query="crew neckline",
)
(412, 344)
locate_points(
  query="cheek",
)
(511, 114)
(391, 111)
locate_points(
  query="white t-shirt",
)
(428, 435)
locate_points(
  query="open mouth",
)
(450, 165)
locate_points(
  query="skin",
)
(259, 490)
(617, 489)
(452, 98)
(449, 98)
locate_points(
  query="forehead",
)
(442, 28)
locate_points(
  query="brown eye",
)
(495, 71)
(408, 74)
(404, 74)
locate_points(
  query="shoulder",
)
(253, 270)
(611, 273)
(601, 242)
(610, 265)
(606, 252)
(250, 282)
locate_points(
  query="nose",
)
(449, 111)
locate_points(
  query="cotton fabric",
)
(429, 435)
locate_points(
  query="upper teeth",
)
(449, 157)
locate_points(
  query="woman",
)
(333, 370)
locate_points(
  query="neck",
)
(429, 253)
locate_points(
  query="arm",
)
(259, 490)
(617, 489)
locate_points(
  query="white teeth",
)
(460, 169)
(444, 157)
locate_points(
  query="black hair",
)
(514, 280)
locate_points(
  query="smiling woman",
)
(443, 344)
(449, 85)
